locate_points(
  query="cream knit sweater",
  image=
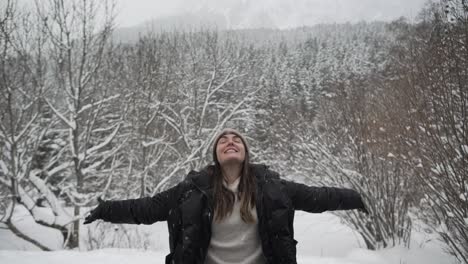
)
(233, 240)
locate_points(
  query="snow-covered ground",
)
(323, 239)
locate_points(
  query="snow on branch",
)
(96, 148)
(26, 128)
(88, 106)
(3, 167)
(104, 156)
(70, 124)
(54, 203)
(154, 142)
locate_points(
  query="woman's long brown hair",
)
(224, 199)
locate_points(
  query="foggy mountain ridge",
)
(274, 13)
(192, 21)
(261, 28)
(265, 15)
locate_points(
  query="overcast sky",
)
(264, 13)
(284, 13)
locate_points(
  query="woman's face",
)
(230, 149)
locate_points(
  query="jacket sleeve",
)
(319, 199)
(147, 210)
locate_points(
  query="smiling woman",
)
(231, 211)
(231, 162)
(235, 234)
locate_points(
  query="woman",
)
(229, 212)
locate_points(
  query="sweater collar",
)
(233, 187)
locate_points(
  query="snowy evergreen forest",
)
(380, 107)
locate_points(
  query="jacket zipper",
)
(210, 218)
(259, 208)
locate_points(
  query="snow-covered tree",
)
(26, 124)
(433, 55)
(79, 39)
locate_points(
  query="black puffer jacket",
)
(187, 208)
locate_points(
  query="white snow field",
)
(323, 239)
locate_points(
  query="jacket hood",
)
(202, 178)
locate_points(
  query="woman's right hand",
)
(95, 213)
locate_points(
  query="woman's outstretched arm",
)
(147, 210)
(319, 199)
